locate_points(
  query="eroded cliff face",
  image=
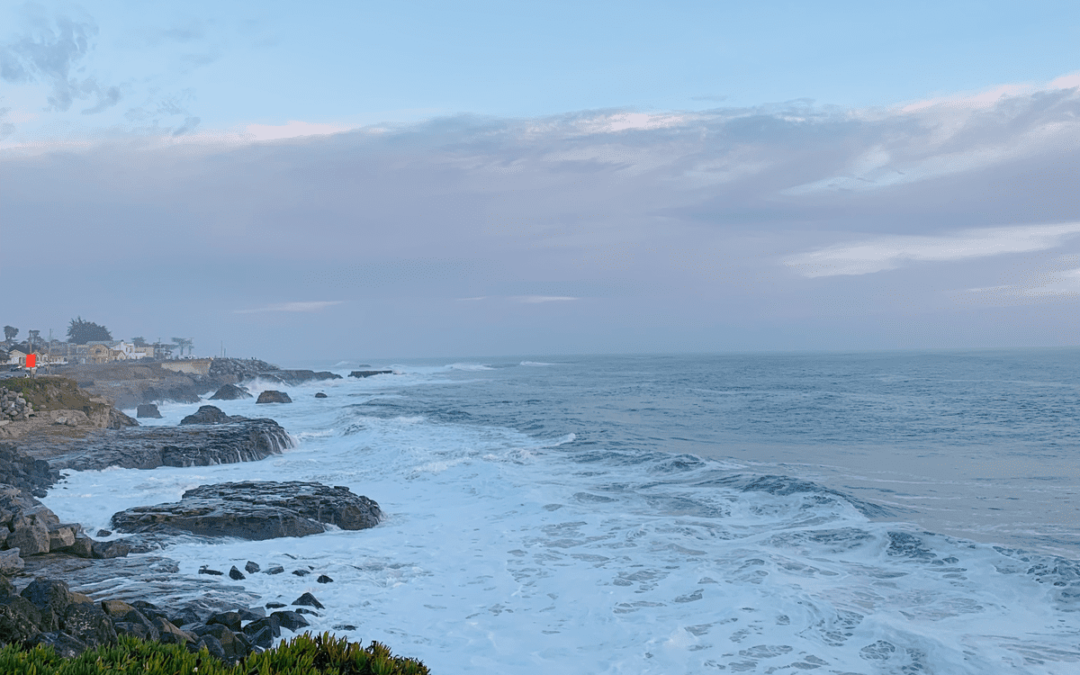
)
(54, 407)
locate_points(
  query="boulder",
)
(211, 644)
(290, 620)
(30, 536)
(11, 562)
(206, 570)
(147, 410)
(230, 620)
(65, 645)
(308, 600)
(51, 598)
(88, 623)
(251, 567)
(275, 569)
(230, 392)
(273, 396)
(301, 572)
(62, 536)
(170, 634)
(369, 373)
(83, 546)
(255, 510)
(19, 619)
(136, 624)
(115, 608)
(210, 414)
(235, 574)
(22, 472)
(109, 549)
(320, 395)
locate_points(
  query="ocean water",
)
(839, 513)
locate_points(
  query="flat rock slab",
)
(255, 510)
(248, 440)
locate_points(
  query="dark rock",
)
(369, 373)
(51, 598)
(104, 533)
(170, 634)
(251, 613)
(235, 644)
(186, 617)
(7, 588)
(308, 600)
(273, 396)
(22, 472)
(344, 626)
(116, 608)
(19, 619)
(243, 440)
(66, 646)
(209, 414)
(255, 510)
(230, 392)
(275, 569)
(150, 611)
(251, 567)
(290, 620)
(230, 620)
(147, 410)
(210, 644)
(138, 624)
(88, 623)
(109, 549)
(323, 579)
(302, 610)
(320, 395)
(63, 536)
(206, 570)
(30, 536)
(263, 637)
(235, 574)
(275, 605)
(301, 572)
(269, 623)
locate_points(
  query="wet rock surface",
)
(255, 510)
(230, 392)
(273, 396)
(21, 471)
(244, 440)
(209, 414)
(147, 410)
(369, 373)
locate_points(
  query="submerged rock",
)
(255, 510)
(273, 396)
(369, 373)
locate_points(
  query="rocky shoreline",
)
(60, 586)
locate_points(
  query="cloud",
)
(538, 299)
(311, 306)
(53, 54)
(291, 129)
(892, 252)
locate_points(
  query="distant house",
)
(99, 352)
(16, 357)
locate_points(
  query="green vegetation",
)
(303, 655)
(80, 332)
(53, 393)
(10, 332)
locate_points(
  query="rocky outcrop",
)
(230, 392)
(273, 396)
(209, 414)
(29, 528)
(369, 373)
(14, 407)
(17, 469)
(148, 410)
(243, 440)
(255, 510)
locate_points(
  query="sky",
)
(364, 181)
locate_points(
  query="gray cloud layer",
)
(736, 228)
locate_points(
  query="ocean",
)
(908, 512)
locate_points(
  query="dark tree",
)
(10, 332)
(139, 342)
(80, 332)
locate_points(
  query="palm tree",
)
(182, 343)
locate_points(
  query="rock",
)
(230, 392)
(323, 579)
(255, 510)
(88, 623)
(290, 620)
(136, 623)
(104, 533)
(116, 608)
(235, 574)
(51, 598)
(235, 644)
(301, 572)
(82, 547)
(19, 619)
(251, 567)
(206, 570)
(65, 645)
(344, 626)
(8, 589)
(302, 610)
(209, 414)
(369, 373)
(210, 644)
(275, 605)
(109, 549)
(30, 536)
(62, 536)
(147, 410)
(241, 440)
(11, 562)
(275, 569)
(230, 620)
(273, 396)
(320, 395)
(170, 634)
(308, 600)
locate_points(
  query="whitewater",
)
(841, 513)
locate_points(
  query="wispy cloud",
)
(312, 306)
(291, 129)
(537, 299)
(892, 252)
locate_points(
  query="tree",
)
(182, 343)
(139, 342)
(10, 332)
(34, 337)
(80, 332)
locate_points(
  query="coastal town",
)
(87, 343)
